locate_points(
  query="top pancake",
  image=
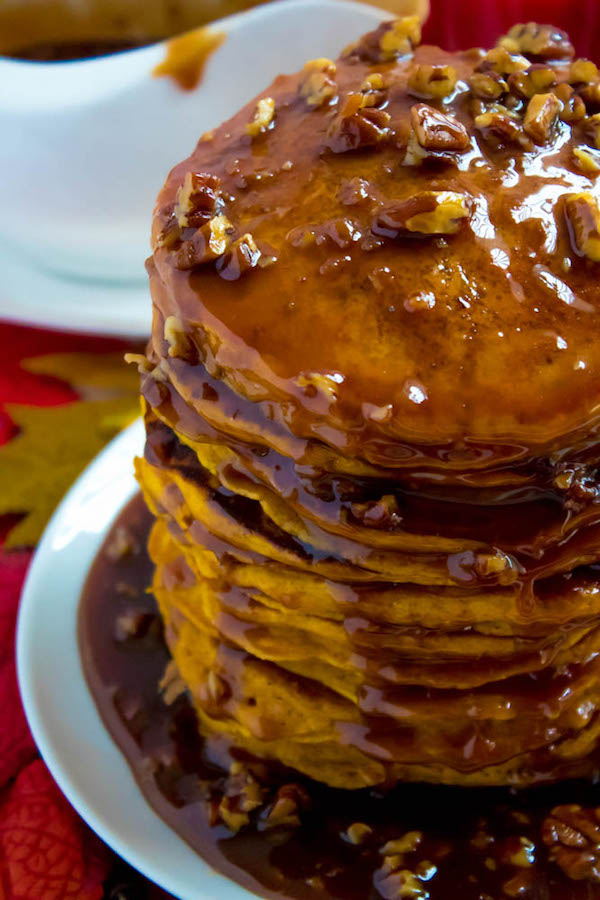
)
(371, 304)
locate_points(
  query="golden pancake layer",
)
(371, 400)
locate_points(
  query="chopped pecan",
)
(590, 94)
(133, 625)
(438, 131)
(518, 851)
(394, 881)
(366, 127)
(541, 117)
(207, 243)
(372, 82)
(408, 843)
(171, 685)
(317, 384)
(354, 192)
(358, 833)
(122, 543)
(372, 90)
(583, 219)
(243, 794)
(285, 810)
(317, 84)
(427, 212)
(591, 128)
(400, 37)
(534, 80)
(240, 256)
(499, 60)
(573, 109)
(197, 199)
(587, 160)
(488, 85)
(432, 82)
(180, 344)
(383, 513)
(263, 117)
(539, 41)
(573, 835)
(217, 689)
(578, 485)
(582, 71)
(502, 125)
(388, 42)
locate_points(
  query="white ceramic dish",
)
(100, 136)
(61, 713)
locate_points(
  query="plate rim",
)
(201, 882)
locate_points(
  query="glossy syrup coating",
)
(400, 245)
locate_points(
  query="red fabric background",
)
(46, 851)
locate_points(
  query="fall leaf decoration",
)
(46, 851)
(54, 444)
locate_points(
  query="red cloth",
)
(460, 24)
(46, 851)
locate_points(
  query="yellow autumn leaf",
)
(95, 376)
(54, 444)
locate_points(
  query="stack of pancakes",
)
(371, 399)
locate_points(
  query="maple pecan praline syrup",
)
(371, 400)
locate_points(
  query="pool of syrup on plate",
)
(472, 844)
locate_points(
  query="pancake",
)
(371, 403)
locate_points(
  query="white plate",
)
(32, 295)
(60, 710)
(101, 136)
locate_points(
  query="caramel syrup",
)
(474, 844)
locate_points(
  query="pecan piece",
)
(582, 71)
(500, 61)
(534, 80)
(388, 42)
(540, 41)
(197, 199)
(285, 811)
(317, 84)
(432, 82)
(502, 125)
(383, 513)
(357, 833)
(583, 220)
(586, 160)
(573, 835)
(207, 243)
(541, 117)
(573, 109)
(591, 128)
(400, 37)
(427, 212)
(242, 795)
(263, 117)
(438, 131)
(394, 881)
(488, 85)
(178, 339)
(365, 127)
(590, 94)
(240, 256)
